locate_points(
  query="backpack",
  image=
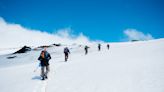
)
(66, 50)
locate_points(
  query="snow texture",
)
(125, 67)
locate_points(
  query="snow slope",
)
(126, 67)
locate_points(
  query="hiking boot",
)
(46, 77)
(42, 78)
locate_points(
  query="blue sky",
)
(98, 19)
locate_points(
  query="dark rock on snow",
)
(23, 50)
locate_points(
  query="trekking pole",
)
(37, 68)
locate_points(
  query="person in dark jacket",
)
(99, 47)
(44, 62)
(66, 52)
(86, 49)
(108, 46)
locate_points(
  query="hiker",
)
(99, 47)
(108, 46)
(44, 62)
(86, 49)
(66, 52)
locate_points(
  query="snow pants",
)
(43, 72)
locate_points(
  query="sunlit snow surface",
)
(125, 67)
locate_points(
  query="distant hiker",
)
(99, 47)
(86, 50)
(108, 46)
(44, 61)
(66, 52)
